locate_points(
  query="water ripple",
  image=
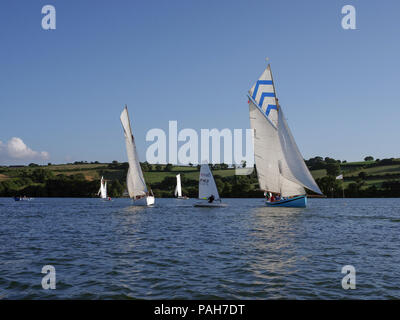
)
(105, 250)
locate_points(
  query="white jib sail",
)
(134, 180)
(207, 186)
(295, 169)
(178, 188)
(263, 93)
(103, 189)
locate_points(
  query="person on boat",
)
(211, 198)
(272, 198)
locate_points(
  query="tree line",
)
(36, 181)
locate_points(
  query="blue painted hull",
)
(296, 202)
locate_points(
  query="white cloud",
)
(16, 150)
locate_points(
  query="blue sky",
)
(62, 91)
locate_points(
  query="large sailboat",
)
(178, 188)
(208, 192)
(135, 183)
(103, 189)
(281, 170)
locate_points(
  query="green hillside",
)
(365, 178)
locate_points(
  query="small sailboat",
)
(135, 183)
(281, 170)
(24, 198)
(178, 188)
(208, 192)
(103, 189)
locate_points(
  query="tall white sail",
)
(134, 180)
(207, 186)
(266, 150)
(263, 94)
(280, 166)
(178, 188)
(103, 189)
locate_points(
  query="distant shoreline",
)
(363, 179)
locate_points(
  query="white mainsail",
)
(280, 166)
(266, 149)
(134, 179)
(103, 189)
(207, 186)
(178, 188)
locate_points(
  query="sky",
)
(62, 90)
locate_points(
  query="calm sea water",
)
(112, 250)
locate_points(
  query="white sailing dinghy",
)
(178, 188)
(135, 183)
(208, 192)
(280, 166)
(103, 189)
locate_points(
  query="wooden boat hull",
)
(295, 202)
(145, 201)
(206, 204)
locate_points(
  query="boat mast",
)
(277, 104)
(273, 86)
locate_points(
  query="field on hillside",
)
(374, 175)
(95, 171)
(365, 174)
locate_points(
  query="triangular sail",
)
(103, 189)
(207, 186)
(134, 180)
(178, 188)
(263, 94)
(296, 170)
(289, 188)
(266, 150)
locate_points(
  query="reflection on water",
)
(113, 250)
(272, 233)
